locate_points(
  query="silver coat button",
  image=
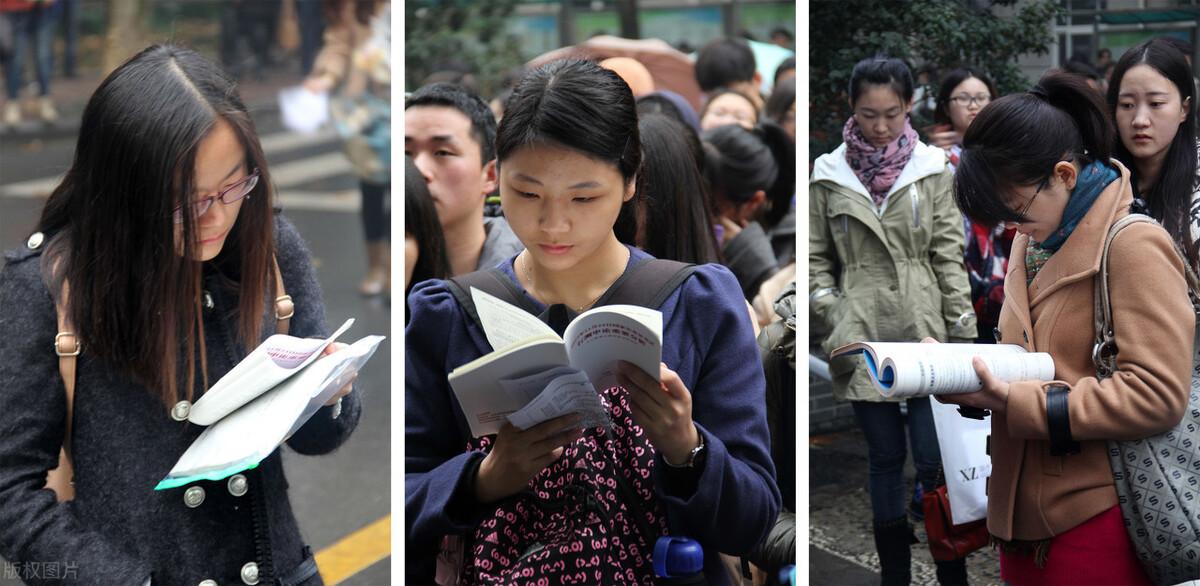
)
(208, 300)
(250, 573)
(193, 497)
(35, 240)
(238, 486)
(337, 410)
(181, 410)
(209, 583)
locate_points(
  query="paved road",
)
(841, 548)
(337, 495)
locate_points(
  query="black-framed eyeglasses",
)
(967, 101)
(229, 195)
(1045, 182)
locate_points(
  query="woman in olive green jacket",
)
(885, 264)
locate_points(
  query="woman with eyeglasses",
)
(885, 264)
(1039, 161)
(964, 92)
(160, 259)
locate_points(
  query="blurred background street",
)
(341, 500)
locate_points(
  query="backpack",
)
(590, 517)
(1157, 478)
(68, 347)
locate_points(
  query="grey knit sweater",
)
(118, 530)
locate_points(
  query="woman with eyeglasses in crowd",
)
(885, 264)
(1039, 161)
(963, 94)
(161, 255)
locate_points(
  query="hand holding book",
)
(663, 409)
(992, 397)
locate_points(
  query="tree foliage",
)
(470, 34)
(947, 33)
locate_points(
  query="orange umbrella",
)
(670, 69)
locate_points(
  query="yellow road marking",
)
(356, 552)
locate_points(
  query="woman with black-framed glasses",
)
(155, 262)
(1039, 161)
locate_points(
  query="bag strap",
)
(1104, 352)
(284, 308)
(648, 283)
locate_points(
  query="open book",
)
(534, 375)
(902, 369)
(262, 401)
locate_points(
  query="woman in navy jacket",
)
(694, 451)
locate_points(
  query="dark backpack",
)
(590, 517)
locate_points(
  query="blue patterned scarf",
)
(1092, 180)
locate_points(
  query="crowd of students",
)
(992, 231)
(598, 173)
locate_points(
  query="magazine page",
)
(478, 384)
(245, 437)
(505, 324)
(277, 358)
(914, 369)
(598, 338)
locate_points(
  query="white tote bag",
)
(963, 443)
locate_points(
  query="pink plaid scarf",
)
(878, 167)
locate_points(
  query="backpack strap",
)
(492, 281)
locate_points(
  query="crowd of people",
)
(599, 173)
(991, 228)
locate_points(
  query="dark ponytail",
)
(1016, 141)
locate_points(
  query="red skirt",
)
(1096, 553)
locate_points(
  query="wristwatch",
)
(693, 456)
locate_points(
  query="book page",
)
(597, 339)
(276, 359)
(505, 324)
(914, 369)
(484, 401)
(525, 389)
(567, 393)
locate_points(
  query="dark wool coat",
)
(119, 530)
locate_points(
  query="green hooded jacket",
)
(888, 274)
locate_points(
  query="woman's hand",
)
(663, 409)
(732, 228)
(517, 456)
(993, 396)
(342, 392)
(944, 136)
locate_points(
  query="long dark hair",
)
(739, 162)
(1017, 140)
(676, 220)
(581, 106)
(134, 293)
(941, 114)
(1169, 199)
(421, 222)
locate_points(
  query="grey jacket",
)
(500, 244)
(118, 530)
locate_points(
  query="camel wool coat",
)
(1032, 494)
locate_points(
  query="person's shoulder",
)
(22, 265)
(711, 286)
(290, 246)
(432, 301)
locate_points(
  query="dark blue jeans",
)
(883, 427)
(36, 25)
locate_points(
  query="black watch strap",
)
(1059, 421)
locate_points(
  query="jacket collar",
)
(1079, 257)
(926, 160)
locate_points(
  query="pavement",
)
(342, 500)
(841, 547)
